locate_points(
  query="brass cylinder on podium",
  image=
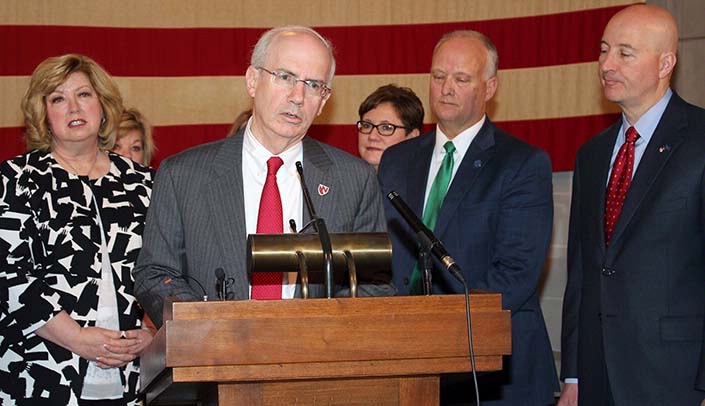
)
(370, 252)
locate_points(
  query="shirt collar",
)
(461, 141)
(646, 125)
(261, 155)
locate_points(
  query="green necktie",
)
(433, 206)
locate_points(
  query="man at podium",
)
(206, 200)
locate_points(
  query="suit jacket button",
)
(406, 281)
(608, 272)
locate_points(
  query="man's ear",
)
(251, 79)
(667, 62)
(323, 103)
(491, 86)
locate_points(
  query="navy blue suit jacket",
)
(496, 222)
(643, 297)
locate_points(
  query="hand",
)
(109, 348)
(92, 343)
(702, 403)
(569, 395)
(86, 342)
(130, 343)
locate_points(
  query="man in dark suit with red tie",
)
(634, 307)
(206, 200)
(488, 196)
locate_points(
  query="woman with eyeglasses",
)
(391, 114)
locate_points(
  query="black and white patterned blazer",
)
(50, 261)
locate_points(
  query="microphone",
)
(323, 234)
(427, 238)
(425, 235)
(220, 283)
(205, 295)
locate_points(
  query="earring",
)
(102, 121)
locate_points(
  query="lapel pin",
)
(323, 189)
(664, 148)
(477, 163)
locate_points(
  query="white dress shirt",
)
(254, 174)
(462, 142)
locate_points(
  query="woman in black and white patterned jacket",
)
(71, 221)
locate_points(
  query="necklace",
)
(73, 169)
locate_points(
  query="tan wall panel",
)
(188, 100)
(12, 89)
(549, 92)
(258, 13)
(524, 94)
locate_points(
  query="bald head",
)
(637, 58)
(653, 24)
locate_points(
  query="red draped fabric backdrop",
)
(181, 62)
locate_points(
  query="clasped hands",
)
(110, 348)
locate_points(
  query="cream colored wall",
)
(554, 274)
(689, 82)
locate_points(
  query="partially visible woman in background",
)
(240, 122)
(134, 137)
(391, 114)
(71, 229)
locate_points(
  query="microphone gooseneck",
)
(188, 277)
(428, 239)
(426, 236)
(322, 230)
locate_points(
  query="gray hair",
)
(259, 53)
(492, 57)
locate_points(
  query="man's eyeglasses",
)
(288, 80)
(385, 129)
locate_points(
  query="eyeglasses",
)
(288, 80)
(385, 129)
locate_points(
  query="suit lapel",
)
(599, 163)
(317, 171)
(417, 177)
(224, 195)
(479, 153)
(664, 142)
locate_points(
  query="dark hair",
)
(404, 101)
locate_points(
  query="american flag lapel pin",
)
(323, 189)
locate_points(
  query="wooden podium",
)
(381, 350)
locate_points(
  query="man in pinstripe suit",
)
(205, 200)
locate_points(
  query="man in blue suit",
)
(488, 197)
(634, 308)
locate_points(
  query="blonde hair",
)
(133, 120)
(49, 75)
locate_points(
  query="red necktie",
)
(268, 285)
(619, 182)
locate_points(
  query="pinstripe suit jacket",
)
(196, 222)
